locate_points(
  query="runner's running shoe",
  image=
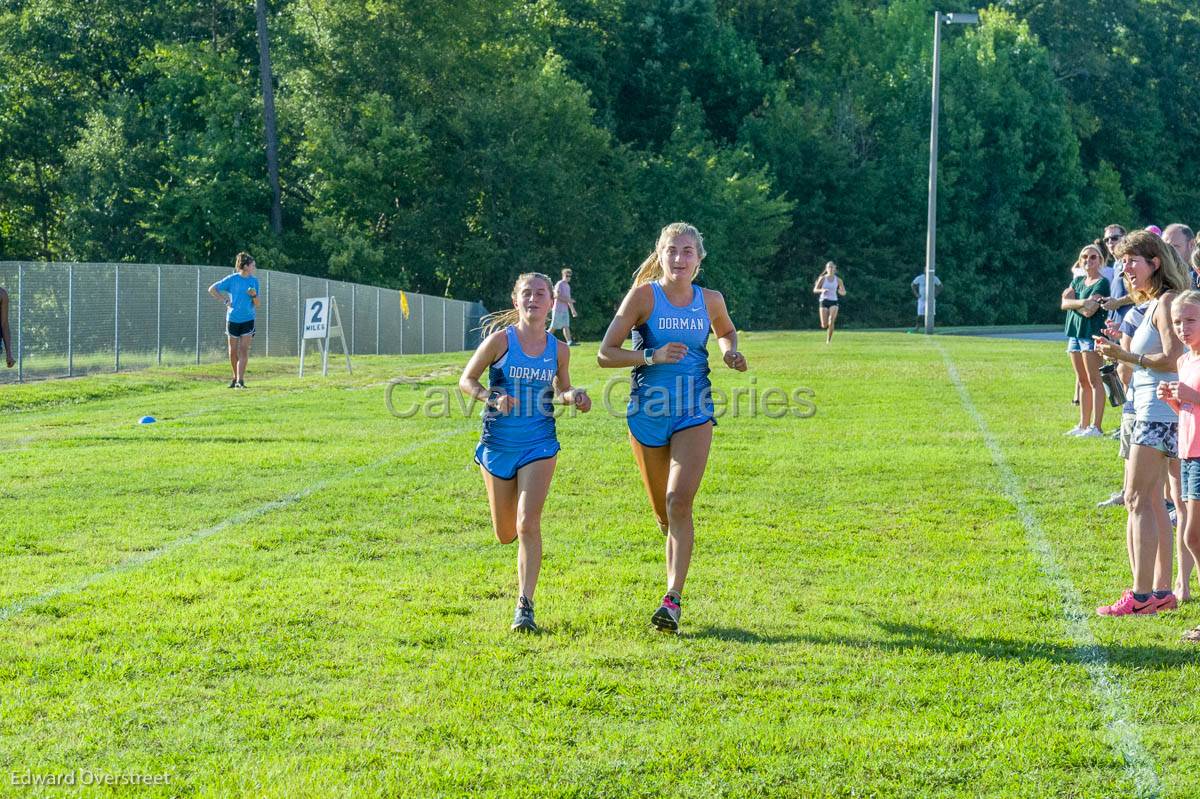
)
(666, 618)
(523, 618)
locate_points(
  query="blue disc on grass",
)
(147, 420)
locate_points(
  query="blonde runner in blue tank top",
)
(665, 398)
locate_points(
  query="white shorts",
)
(560, 319)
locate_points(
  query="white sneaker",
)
(1092, 432)
(1116, 500)
(1074, 431)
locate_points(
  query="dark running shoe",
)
(241, 384)
(233, 383)
(666, 618)
(523, 618)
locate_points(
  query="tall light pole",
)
(264, 67)
(939, 19)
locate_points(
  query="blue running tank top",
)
(686, 382)
(529, 378)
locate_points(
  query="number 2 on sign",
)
(316, 317)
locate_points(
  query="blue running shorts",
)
(656, 429)
(505, 463)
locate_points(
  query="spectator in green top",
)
(1081, 301)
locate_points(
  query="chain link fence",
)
(76, 319)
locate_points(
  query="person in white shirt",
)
(563, 305)
(918, 290)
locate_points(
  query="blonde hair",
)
(651, 270)
(243, 260)
(1190, 296)
(1171, 274)
(1099, 254)
(502, 319)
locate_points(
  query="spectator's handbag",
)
(1113, 386)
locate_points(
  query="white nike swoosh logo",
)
(697, 308)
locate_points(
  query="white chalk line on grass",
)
(143, 558)
(1139, 765)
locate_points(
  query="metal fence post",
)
(20, 322)
(70, 320)
(464, 338)
(377, 308)
(158, 318)
(422, 296)
(445, 312)
(197, 316)
(299, 317)
(353, 311)
(267, 316)
(117, 316)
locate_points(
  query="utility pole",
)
(939, 19)
(264, 68)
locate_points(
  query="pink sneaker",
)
(666, 618)
(1169, 602)
(1127, 605)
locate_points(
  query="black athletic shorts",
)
(829, 303)
(239, 329)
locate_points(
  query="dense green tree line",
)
(445, 146)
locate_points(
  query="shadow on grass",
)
(738, 635)
(932, 639)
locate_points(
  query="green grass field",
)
(290, 592)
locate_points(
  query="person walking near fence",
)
(4, 331)
(239, 292)
(671, 413)
(564, 308)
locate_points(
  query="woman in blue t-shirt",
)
(239, 293)
(528, 372)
